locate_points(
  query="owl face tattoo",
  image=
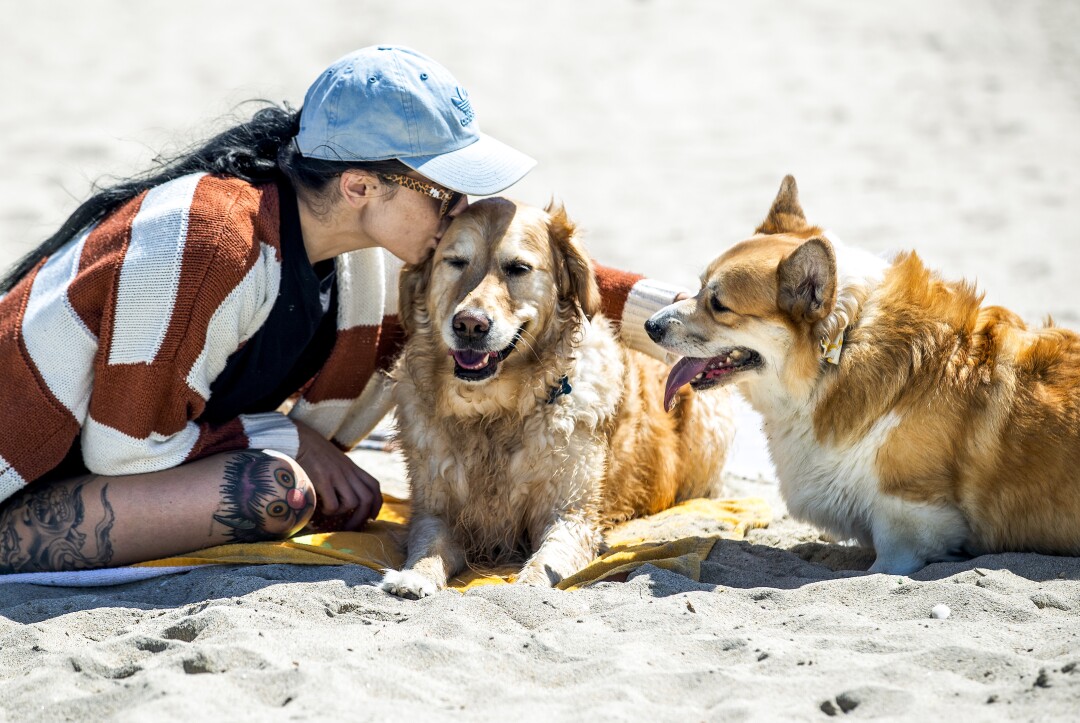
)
(261, 500)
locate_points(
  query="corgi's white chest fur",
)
(835, 489)
(838, 490)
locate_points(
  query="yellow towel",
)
(655, 539)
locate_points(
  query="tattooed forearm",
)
(261, 499)
(43, 530)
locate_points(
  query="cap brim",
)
(481, 168)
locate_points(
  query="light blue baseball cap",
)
(385, 102)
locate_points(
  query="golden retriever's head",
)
(758, 305)
(505, 290)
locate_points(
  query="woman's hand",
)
(341, 486)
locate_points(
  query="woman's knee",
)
(266, 495)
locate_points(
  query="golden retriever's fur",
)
(526, 427)
(946, 428)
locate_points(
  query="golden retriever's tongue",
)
(468, 359)
(683, 371)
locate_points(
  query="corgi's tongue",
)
(468, 359)
(681, 374)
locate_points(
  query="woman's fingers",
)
(372, 485)
(362, 513)
(324, 491)
(351, 491)
(369, 497)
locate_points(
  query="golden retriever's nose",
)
(471, 325)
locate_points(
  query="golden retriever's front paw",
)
(541, 576)
(407, 583)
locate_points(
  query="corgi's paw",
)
(897, 562)
(407, 583)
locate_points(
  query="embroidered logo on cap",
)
(461, 100)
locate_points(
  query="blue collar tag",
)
(556, 392)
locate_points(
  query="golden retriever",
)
(526, 427)
(900, 410)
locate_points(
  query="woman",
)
(151, 346)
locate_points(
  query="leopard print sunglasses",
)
(447, 198)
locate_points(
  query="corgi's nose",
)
(471, 325)
(655, 329)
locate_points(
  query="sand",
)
(665, 127)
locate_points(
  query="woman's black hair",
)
(257, 151)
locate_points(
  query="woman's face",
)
(406, 222)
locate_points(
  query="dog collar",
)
(556, 392)
(830, 349)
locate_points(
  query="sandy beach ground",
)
(665, 127)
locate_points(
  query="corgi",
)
(900, 410)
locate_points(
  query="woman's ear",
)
(358, 186)
(412, 288)
(575, 278)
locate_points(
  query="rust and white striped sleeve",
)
(630, 299)
(351, 393)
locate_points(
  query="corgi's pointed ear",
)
(786, 215)
(574, 275)
(807, 281)
(412, 288)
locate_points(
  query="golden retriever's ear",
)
(807, 281)
(573, 267)
(412, 288)
(786, 215)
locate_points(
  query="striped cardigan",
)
(118, 336)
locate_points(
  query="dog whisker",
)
(530, 345)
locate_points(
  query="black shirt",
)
(296, 339)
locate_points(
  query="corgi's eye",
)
(517, 268)
(456, 263)
(717, 306)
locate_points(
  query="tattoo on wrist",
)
(260, 499)
(43, 531)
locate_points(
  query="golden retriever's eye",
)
(517, 268)
(717, 306)
(456, 263)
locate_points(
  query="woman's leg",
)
(94, 521)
